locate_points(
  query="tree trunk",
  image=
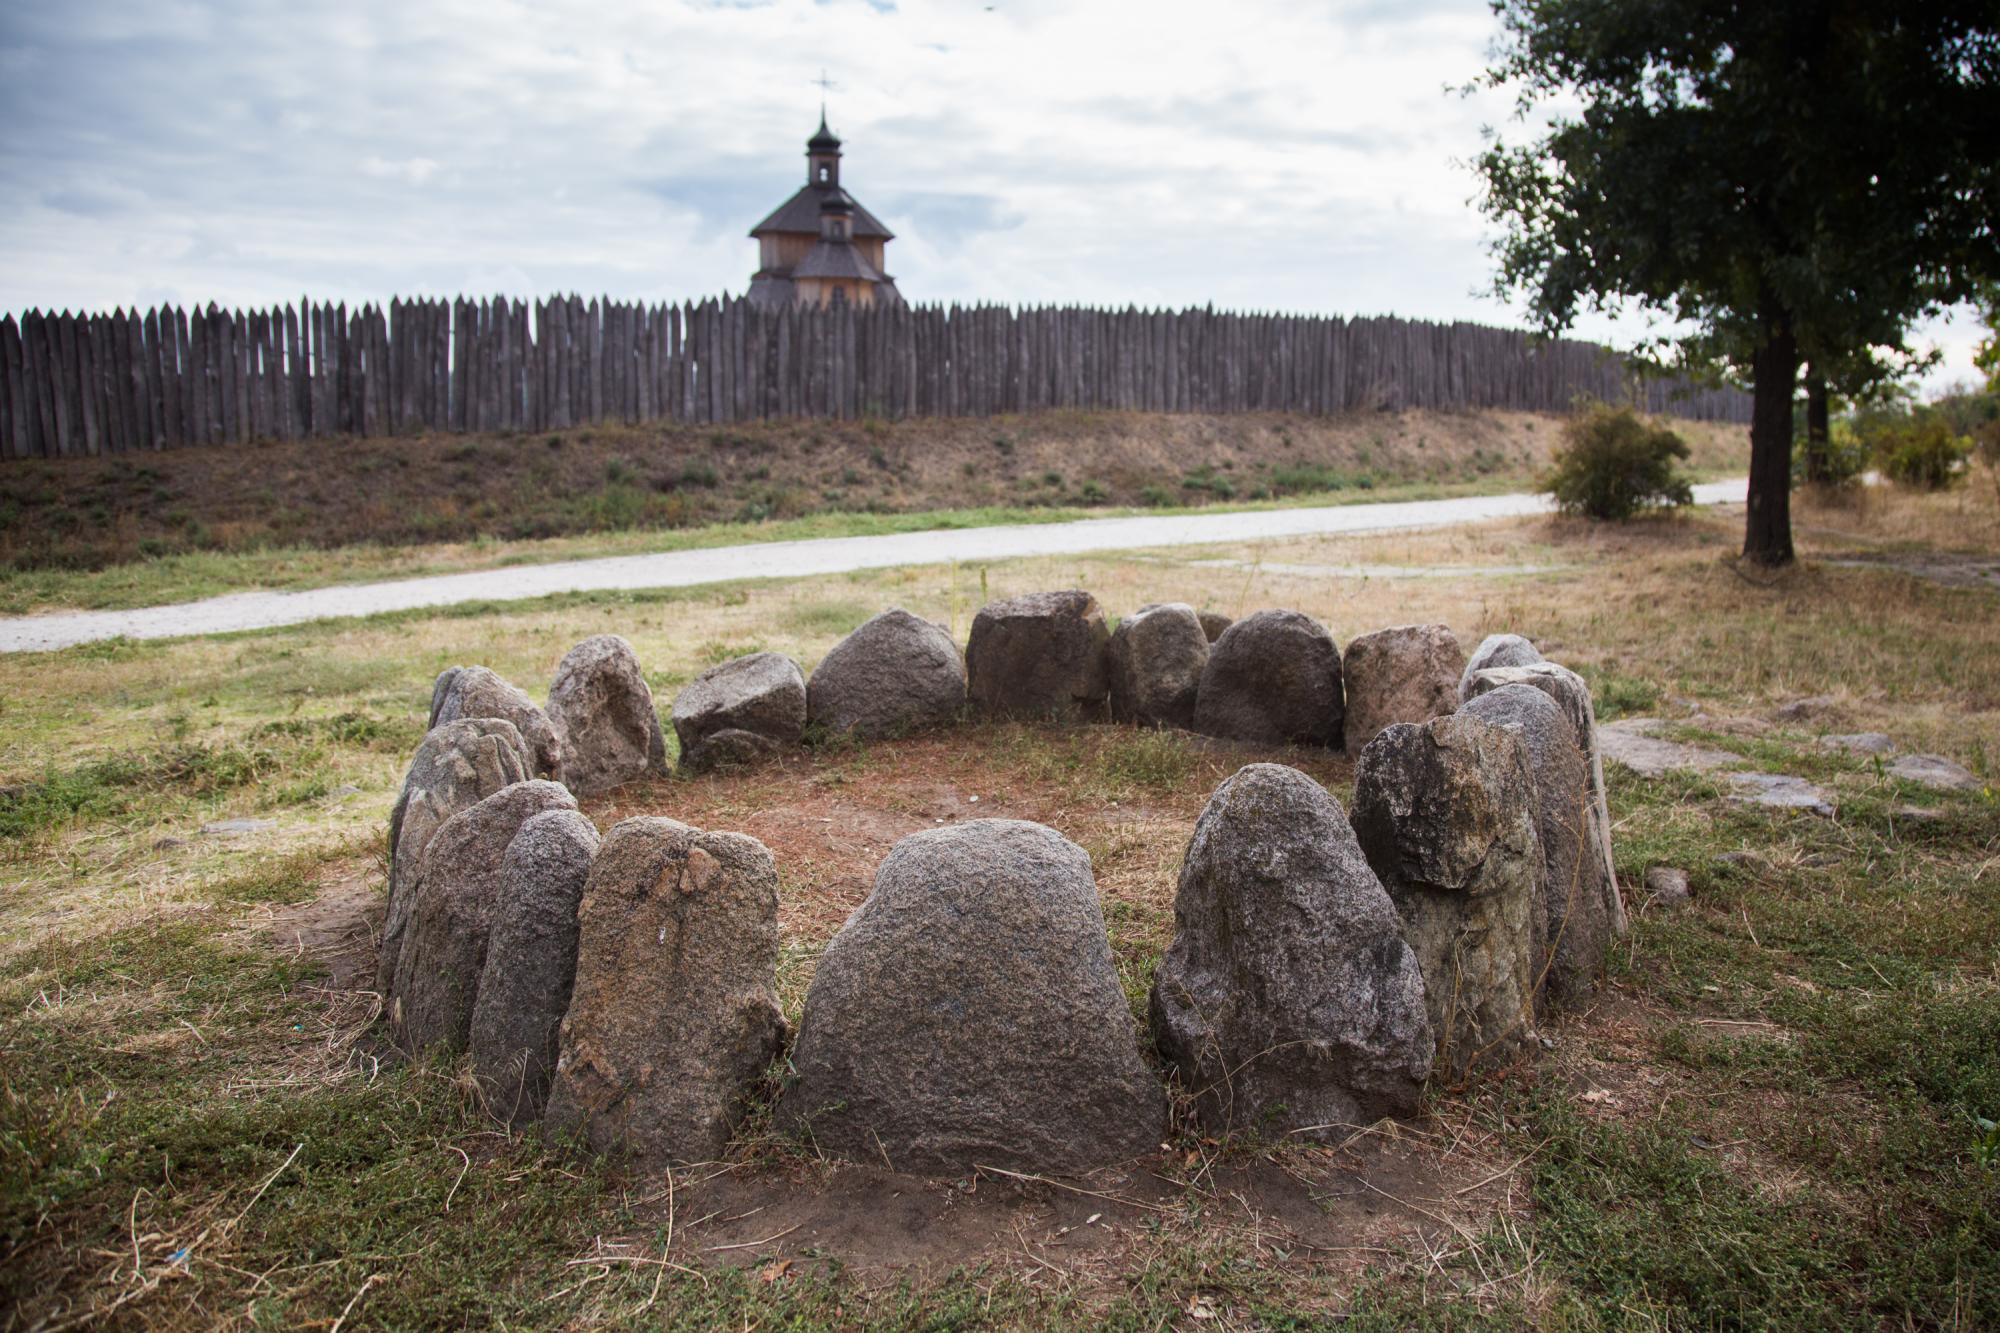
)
(1767, 529)
(1819, 465)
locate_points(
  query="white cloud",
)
(1271, 154)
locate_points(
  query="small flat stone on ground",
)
(236, 828)
(1780, 791)
(1859, 742)
(1936, 771)
(1631, 742)
(1666, 886)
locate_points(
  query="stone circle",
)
(1407, 673)
(1272, 678)
(1038, 656)
(739, 711)
(896, 674)
(600, 702)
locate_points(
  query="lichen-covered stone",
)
(436, 982)
(1155, 660)
(969, 1014)
(674, 1016)
(896, 674)
(476, 691)
(1445, 812)
(1272, 678)
(530, 962)
(457, 766)
(600, 702)
(760, 695)
(1039, 656)
(1572, 695)
(1408, 673)
(1288, 1003)
(1496, 650)
(1579, 921)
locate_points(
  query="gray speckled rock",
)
(1155, 660)
(896, 674)
(1496, 650)
(600, 702)
(1573, 697)
(475, 691)
(1445, 813)
(1213, 623)
(530, 962)
(456, 767)
(760, 695)
(1407, 673)
(1935, 771)
(1579, 922)
(1272, 678)
(1288, 1003)
(674, 1017)
(969, 1013)
(1040, 655)
(436, 982)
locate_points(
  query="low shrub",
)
(1921, 450)
(1612, 464)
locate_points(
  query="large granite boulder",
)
(530, 962)
(896, 674)
(1572, 695)
(1155, 660)
(1272, 678)
(969, 1014)
(1579, 922)
(600, 702)
(476, 691)
(674, 1016)
(1040, 655)
(747, 708)
(1445, 812)
(457, 766)
(436, 982)
(1288, 1002)
(1408, 673)
(1496, 650)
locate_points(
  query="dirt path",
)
(837, 555)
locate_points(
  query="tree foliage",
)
(1785, 182)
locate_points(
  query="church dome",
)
(824, 140)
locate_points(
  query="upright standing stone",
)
(1496, 650)
(1213, 623)
(1405, 674)
(1445, 812)
(436, 981)
(531, 962)
(674, 1016)
(1288, 1001)
(1579, 924)
(742, 710)
(457, 766)
(1040, 655)
(969, 1014)
(1155, 660)
(601, 704)
(897, 673)
(476, 691)
(1273, 678)
(1573, 697)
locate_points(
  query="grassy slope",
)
(1771, 1119)
(138, 530)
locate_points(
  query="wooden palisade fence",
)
(91, 384)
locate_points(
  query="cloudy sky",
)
(1256, 154)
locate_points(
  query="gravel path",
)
(722, 564)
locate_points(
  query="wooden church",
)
(821, 246)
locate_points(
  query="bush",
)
(1846, 456)
(1921, 450)
(1612, 464)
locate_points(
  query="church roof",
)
(833, 259)
(801, 213)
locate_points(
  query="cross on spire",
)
(826, 86)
